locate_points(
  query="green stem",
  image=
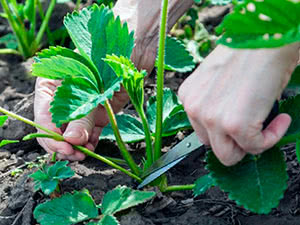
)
(59, 137)
(288, 140)
(149, 147)
(108, 162)
(45, 22)
(53, 158)
(49, 34)
(160, 80)
(56, 136)
(179, 188)
(77, 4)
(126, 155)
(9, 51)
(298, 150)
(20, 35)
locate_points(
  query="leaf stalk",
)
(160, 80)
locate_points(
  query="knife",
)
(184, 148)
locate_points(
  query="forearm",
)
(143, 17)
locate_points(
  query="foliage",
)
(202, 184)
(47, 178)
(26, 40)
(174, 120)
(74, 208)
(261, 24)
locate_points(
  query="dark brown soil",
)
(18, 200)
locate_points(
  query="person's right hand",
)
(230, 95)
(142, 16)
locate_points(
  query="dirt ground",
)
(18, 199)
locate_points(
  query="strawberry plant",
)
(26, 40)
(91, 77)
(47, 177)
(80, 206)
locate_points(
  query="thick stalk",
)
(179, 188)
(126, 155)
(59, 137)
(160, 80)
(16, 29)
(45, 22)
(149, 147)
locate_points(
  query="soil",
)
(18, 199)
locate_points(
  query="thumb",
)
(79, 131)
(276, 129)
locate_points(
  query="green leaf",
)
(295, 79)
(291, 106)
(48, 177)
(202, 184)
(65, 52)
(262, 24)
(257, 182)
(10, 41)
(106, 220)
(96, 33)
(29, 10)
(3, 120)
(133, 80)
(123, 198)
(60, 67)
(74, 99)
(66, 210)
(223, 2)
(174, 117)
(177, 58)
(130, 128)
(6, 142)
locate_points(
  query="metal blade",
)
(171, 158)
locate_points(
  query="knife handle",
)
(274, 112)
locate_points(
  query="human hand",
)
(142, 16)
(230, 95)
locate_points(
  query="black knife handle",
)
(274, 112)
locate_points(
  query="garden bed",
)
(18, 199)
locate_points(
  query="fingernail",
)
(73, 134)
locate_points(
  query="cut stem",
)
(160, 80)
(59, 137)
(179, 188)
(126, 155)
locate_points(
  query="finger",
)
(225, 149)
(94, 139)
(77, 156)
(51, 145)
(200, 131)
(266, 139)
(79, 131)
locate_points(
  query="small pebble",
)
(4, 154)
(20, 153)
(32, 156)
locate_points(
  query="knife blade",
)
(183, 149)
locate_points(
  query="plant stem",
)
(53, 158)
(179, 187)
(16, 29)
(56, 136)
(49, 34)
(105, 160)
(149, 147)
(77, 4)
(45, 22)
(9, 51)
(59, 137)
(126, 155)
(160, 80)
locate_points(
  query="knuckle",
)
(232, 127)
(192, 110)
